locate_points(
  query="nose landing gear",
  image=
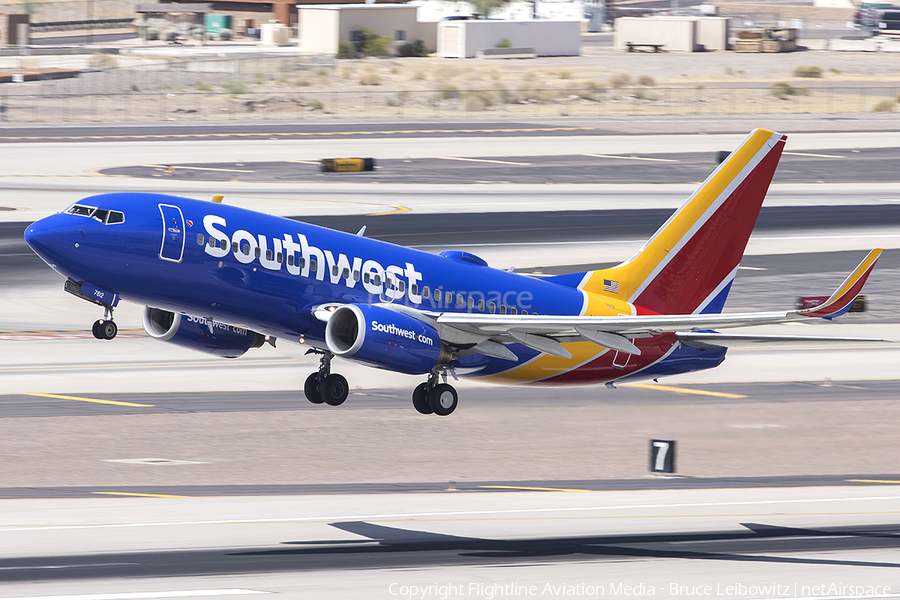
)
(105, 328)
(323, 386)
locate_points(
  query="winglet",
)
(841, 300)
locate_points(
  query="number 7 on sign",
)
(662, 456)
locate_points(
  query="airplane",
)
(222, 280)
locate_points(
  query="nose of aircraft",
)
(48, 237)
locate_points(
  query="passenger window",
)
(471, 302)
(258, 252)
(513, 310)
(492, 308)
(481, 305)
(377, 280)
(279, 258)
(246, 249)
(448, 298)
(290, 260)
(524, 312)
(223, 244)
(118, 217)
(199, 239)
(301, 262)
(366, 276)
(234, 247)
(213, 242)
(355, 275)
(345, 274)
(502, 309)
(426, 293)
(402, 286)
(414, 289)
(268, 255)
(460, 300)
(334, 270)
(312, 265)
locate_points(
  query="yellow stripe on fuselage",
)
(632, 274)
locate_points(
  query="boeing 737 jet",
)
(222, 280)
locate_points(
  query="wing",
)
(487, 334)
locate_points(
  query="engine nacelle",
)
(193, 333)
(384, 338)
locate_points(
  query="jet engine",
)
(194, 333)
(385, 339)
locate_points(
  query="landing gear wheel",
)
(104, 330)
(108, 330)
(420, 399)
(334, 389)
(311, 389)
(443, 399)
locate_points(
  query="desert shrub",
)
(301, 82)
(447, 91)
(416, 48)
(225, 34)
(202, 86)
(234, 87)
(315, 104)
(646, 81)
(782, 90)
(808, 71)
(346, 50)
(504, 43)
(322, 73)
(370, 77)
(835, 71)
(884, 106)
(479, 100)
(620, 80)
(565, 75)
(418, 76)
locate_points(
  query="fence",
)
(243, 104)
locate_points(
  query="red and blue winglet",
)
(841, 300)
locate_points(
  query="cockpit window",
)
(107, 217)
(77, 209)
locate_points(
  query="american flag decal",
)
(610, 286)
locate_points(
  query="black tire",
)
(420, 399)
(311, 389)
(108, 330)
(334, 389)
(443, 399)
(95, 329)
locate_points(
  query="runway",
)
(133, 470)
(722, 543)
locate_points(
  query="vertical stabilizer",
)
(689, 263)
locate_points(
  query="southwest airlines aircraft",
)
(222, 280)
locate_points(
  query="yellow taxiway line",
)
(94, 400)
(678, 390)
(536, 489)
(873, 481)
(138, 495)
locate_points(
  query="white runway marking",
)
(443, 515)
(29, 568)
(146, 595)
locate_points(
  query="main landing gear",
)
(434, 397)
(105, 328)
(325, 386)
